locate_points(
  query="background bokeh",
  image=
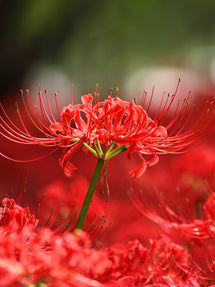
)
(130, 44)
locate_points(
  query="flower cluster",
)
(171, 244)
(41, 257)
(190, 215)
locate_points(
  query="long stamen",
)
(43, 111)
(56, 103)
(49, 108)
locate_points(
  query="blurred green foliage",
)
(99, 41)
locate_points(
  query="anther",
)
(111, 92)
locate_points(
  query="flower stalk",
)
(102, 156)
(90, 192)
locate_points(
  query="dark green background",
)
(101, 41)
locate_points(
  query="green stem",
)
(98, 155)
(90, 192)
(111, 147)
(99, 147)
(116, 151)
(90, 149)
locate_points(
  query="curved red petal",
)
(68, 167)
(140, 169)
(153, 161)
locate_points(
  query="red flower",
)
(107, 128)
(170, 264)
(29, 257)
(196, 228)
(14, 217)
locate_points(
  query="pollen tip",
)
(27, 91)
(129, 191)
(55, 93)
(21, 91)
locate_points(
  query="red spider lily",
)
(14, 217)
(107, 128)
(203, 228)
(44, 257)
